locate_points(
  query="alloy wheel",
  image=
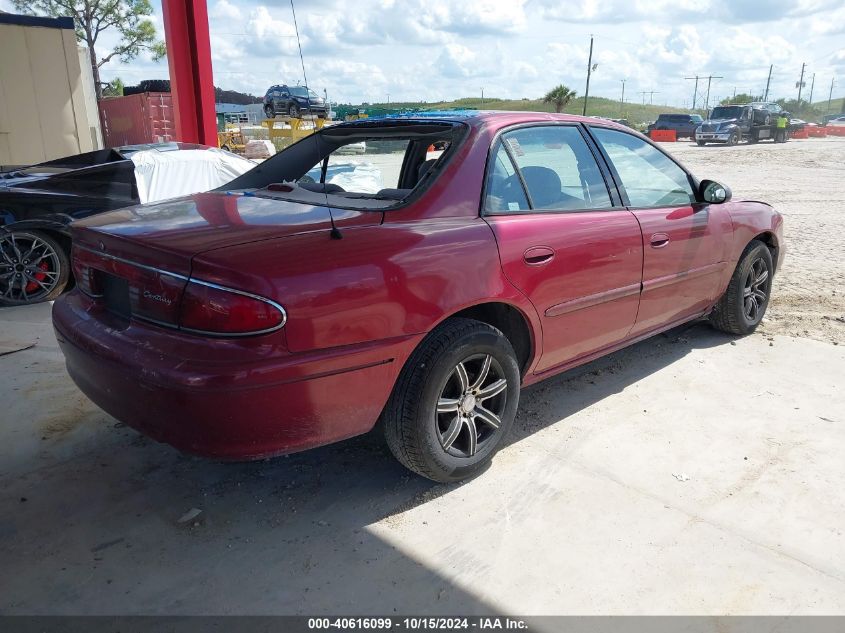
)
(29, 268)
(471, 405)
(755, 290)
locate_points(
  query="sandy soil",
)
(805, 181)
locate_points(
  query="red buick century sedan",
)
(419, 284)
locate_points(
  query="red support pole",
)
(191, 78)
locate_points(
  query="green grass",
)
(836, 105)
(636, 113)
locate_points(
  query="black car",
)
(765, 112)
(683, 124)
(38, 203)
(293, 101)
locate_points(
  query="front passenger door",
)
(684, 241)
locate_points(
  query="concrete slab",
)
(687, 474)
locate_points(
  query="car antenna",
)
(335, 232)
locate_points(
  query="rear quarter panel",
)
(393, 280)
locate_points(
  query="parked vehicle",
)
(287, 312)
(293, 101)
(683, 124)
(732, 124)
(840, 120)
(765, 112)
(38, 203)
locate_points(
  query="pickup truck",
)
(734, 123)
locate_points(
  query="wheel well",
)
(511, 322)
(771, 242)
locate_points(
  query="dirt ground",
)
(805, 181)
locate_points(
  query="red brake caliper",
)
(32, 286)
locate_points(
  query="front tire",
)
(701, 143)
(744, 303)
(454, 401)
(33, 268)
(293, 111)
(269, 112)
(734, 138)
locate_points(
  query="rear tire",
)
(33, 268)
(744, 303)
(446, 423)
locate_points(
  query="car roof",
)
(484, 118)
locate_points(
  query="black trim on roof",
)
(36, 20)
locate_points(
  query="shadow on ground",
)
(90, 523)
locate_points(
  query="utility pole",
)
(650, 94)
(812, 87)
(768, 82)
(694, 90)
(622, 100)
(734, 98)
(707, 100)
(482, 97)
(589, 70)
(830, 95)
(388, 99)
(799, 86)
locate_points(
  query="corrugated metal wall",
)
(146, 117)
(43, 110)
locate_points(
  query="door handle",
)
(538, 255)
(659, 240)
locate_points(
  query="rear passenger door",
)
(564, 238)
(683, 240)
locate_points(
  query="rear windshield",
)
(376, 165)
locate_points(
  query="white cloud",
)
(435, 49)
(224, 10)
(267, 35)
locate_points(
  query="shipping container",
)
(146, 117)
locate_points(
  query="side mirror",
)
(713, 192)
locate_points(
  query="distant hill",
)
(636, 113)
(836, 105)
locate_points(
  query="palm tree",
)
(560, 97)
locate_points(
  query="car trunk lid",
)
(137, 261)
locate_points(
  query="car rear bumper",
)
(224, 408)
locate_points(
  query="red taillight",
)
(84, 275)
(211, 309)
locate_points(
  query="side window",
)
(558, 168)
(650, 178)
(504, 193)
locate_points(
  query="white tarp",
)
(358, 177)
(163, 175)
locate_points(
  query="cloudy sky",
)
(442, 49)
